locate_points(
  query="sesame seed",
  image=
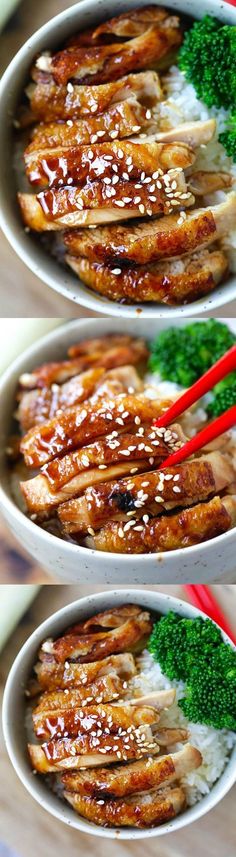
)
(70, 87)
(141, 208)
(137, 421)
(115, 168)
(145, 519)
(176, 477)
(120, 153)
(134, 470)
(158, 499)
(125, 176)
(120, 421)
(94, 108)
(176, 489)
(113, 134)
(127, 199)
(94, 138)
(148, 114)
(129, 160)
(136, 128)
(155, 175)
(102, 467)
(137, 199)
(119, 202)
(116, 271)
(101, 133)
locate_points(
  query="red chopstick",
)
(202, 597)
(203, 438)
(224, 365)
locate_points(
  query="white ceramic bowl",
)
(14, 707)
(210, 561)
(28, 246)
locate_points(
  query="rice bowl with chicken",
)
(197, 173)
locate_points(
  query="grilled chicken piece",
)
(193, 133)
(203, 182)
(184, 529)
(102, 63)
(120, 120)
(170, 282)
(87, 750)
(158, 699)
(39, 405)
(149, 494)
(167, 737)
(95, 202)
(53, 676)
(50, 102)
(79, 164)
(158, 239)
(90, 647)
(112, 618)
(106, 343)
(110, 718)
(79, 425)
(140, 776)
(140, 811)
(69, 476)
(131, 23)
(102, 353)
(107, 688)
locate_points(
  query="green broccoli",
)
(224, 396)
(182, 355)
(228, 137)
(208, 57)
(192, 650)
(179, 643)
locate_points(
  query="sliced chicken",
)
(158, 699)
(39, 405)
(50, 102)
(203, 182)
(105, 160)
(108, 353)
(145, 495)
(129, 24)
(79, 425)
(42, 404)
(108, 718)
(170, 236)
(93, 647)
(170, 282)
(111, 618)
(138, 811)
(106, 343)
(89, 749)
(53, 676)
(140, 776)
(102, 63)
(184, 529)
(119, 120)
(107, 688)
(98, 202)
(193, 133)
(66, 477)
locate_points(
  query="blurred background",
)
(26, 830)
(21, 293)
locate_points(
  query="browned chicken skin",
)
(119, 120)
(128, 24)
(69, 476)
(91, 647)
(148, 494)
(114, 718)
(81, 163)
(136, 777)
(78, 425)
(160, 281)
(100, 64)
(109, 354)
(138, 811)
(87, 749)
(50, 102)
(95, 203)
(146, 242)
(53, 676)
(188, 527)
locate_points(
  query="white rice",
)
(182, 105)
(214, 744)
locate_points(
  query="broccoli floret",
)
(210, 697)
(224, 396)
(192, 650)
(228, 137)
(182, 355)
(207, 57)
(178, 644)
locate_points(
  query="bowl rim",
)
(103, 598)
(44, 268)
(20, 517)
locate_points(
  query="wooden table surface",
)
(31, 832)
(21, 293)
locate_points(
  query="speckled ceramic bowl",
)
(28, 246)
(210, 561)
(14, 717)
